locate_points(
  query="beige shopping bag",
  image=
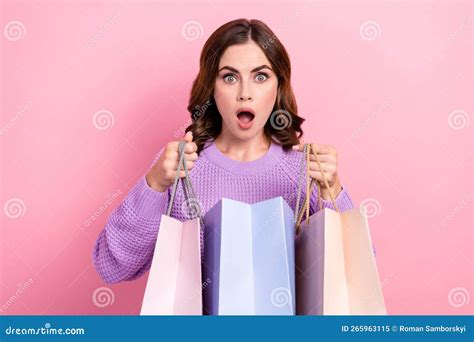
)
(336, 272)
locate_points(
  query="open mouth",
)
(245, 117)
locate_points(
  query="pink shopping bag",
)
(174, 283)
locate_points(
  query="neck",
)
(243, 150)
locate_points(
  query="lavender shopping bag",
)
(249, 258)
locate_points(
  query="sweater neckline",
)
(263, 164)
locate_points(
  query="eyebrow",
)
(254, 70)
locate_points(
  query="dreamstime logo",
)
(103, 119)
(280, 29)
(111, 198)
(458, 296)
(370, 30)
(199, 111)
(192, 30)
(467, 21)
(269, 221)
(288, 21)
(372, 295)
(14, 208)
(370, 207)
(46, 330)
(280, 119)
(458, 119)
(21, 287)
(102, 30)
(102, 297)
(192, 208)
(380, 109)
(464, 202)
(14, 30)
(192, 295)
(19, 114)
(280, 297)
(181, 131)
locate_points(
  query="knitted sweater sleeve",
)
(343, 201)
(124, 248)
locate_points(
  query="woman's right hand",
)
(163, 173)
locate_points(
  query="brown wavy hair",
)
(284, 125)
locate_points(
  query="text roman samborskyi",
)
(429, 328)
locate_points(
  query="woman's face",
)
(245, 82)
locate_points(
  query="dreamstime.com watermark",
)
(197, 112)
(111, 198)
(22, 110)
(190, 298)
(21, 287)
(445, 221)
(46, 330)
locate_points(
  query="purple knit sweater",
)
(124, 248)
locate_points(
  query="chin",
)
(246, 135)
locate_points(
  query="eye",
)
(261, 77)
(229, 78)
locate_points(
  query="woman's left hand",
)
(327, 156)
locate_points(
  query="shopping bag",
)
(249, 258)
(174, 283)
(336, 272)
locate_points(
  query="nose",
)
(244, 94)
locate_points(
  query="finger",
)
(324, 158)
(318, 148)
(323, 149)
(174, 147)
(182, 174)
(172, 164)
(188, 136)
(313, 166)
(188, 156)
(172, 175)
(189, 165)
(318, 176)
(191, 156)
(189, 153)
(299, 147)
(190, 147)
(326, 167)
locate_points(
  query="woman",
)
(243, 144)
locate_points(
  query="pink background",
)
(388, 83)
